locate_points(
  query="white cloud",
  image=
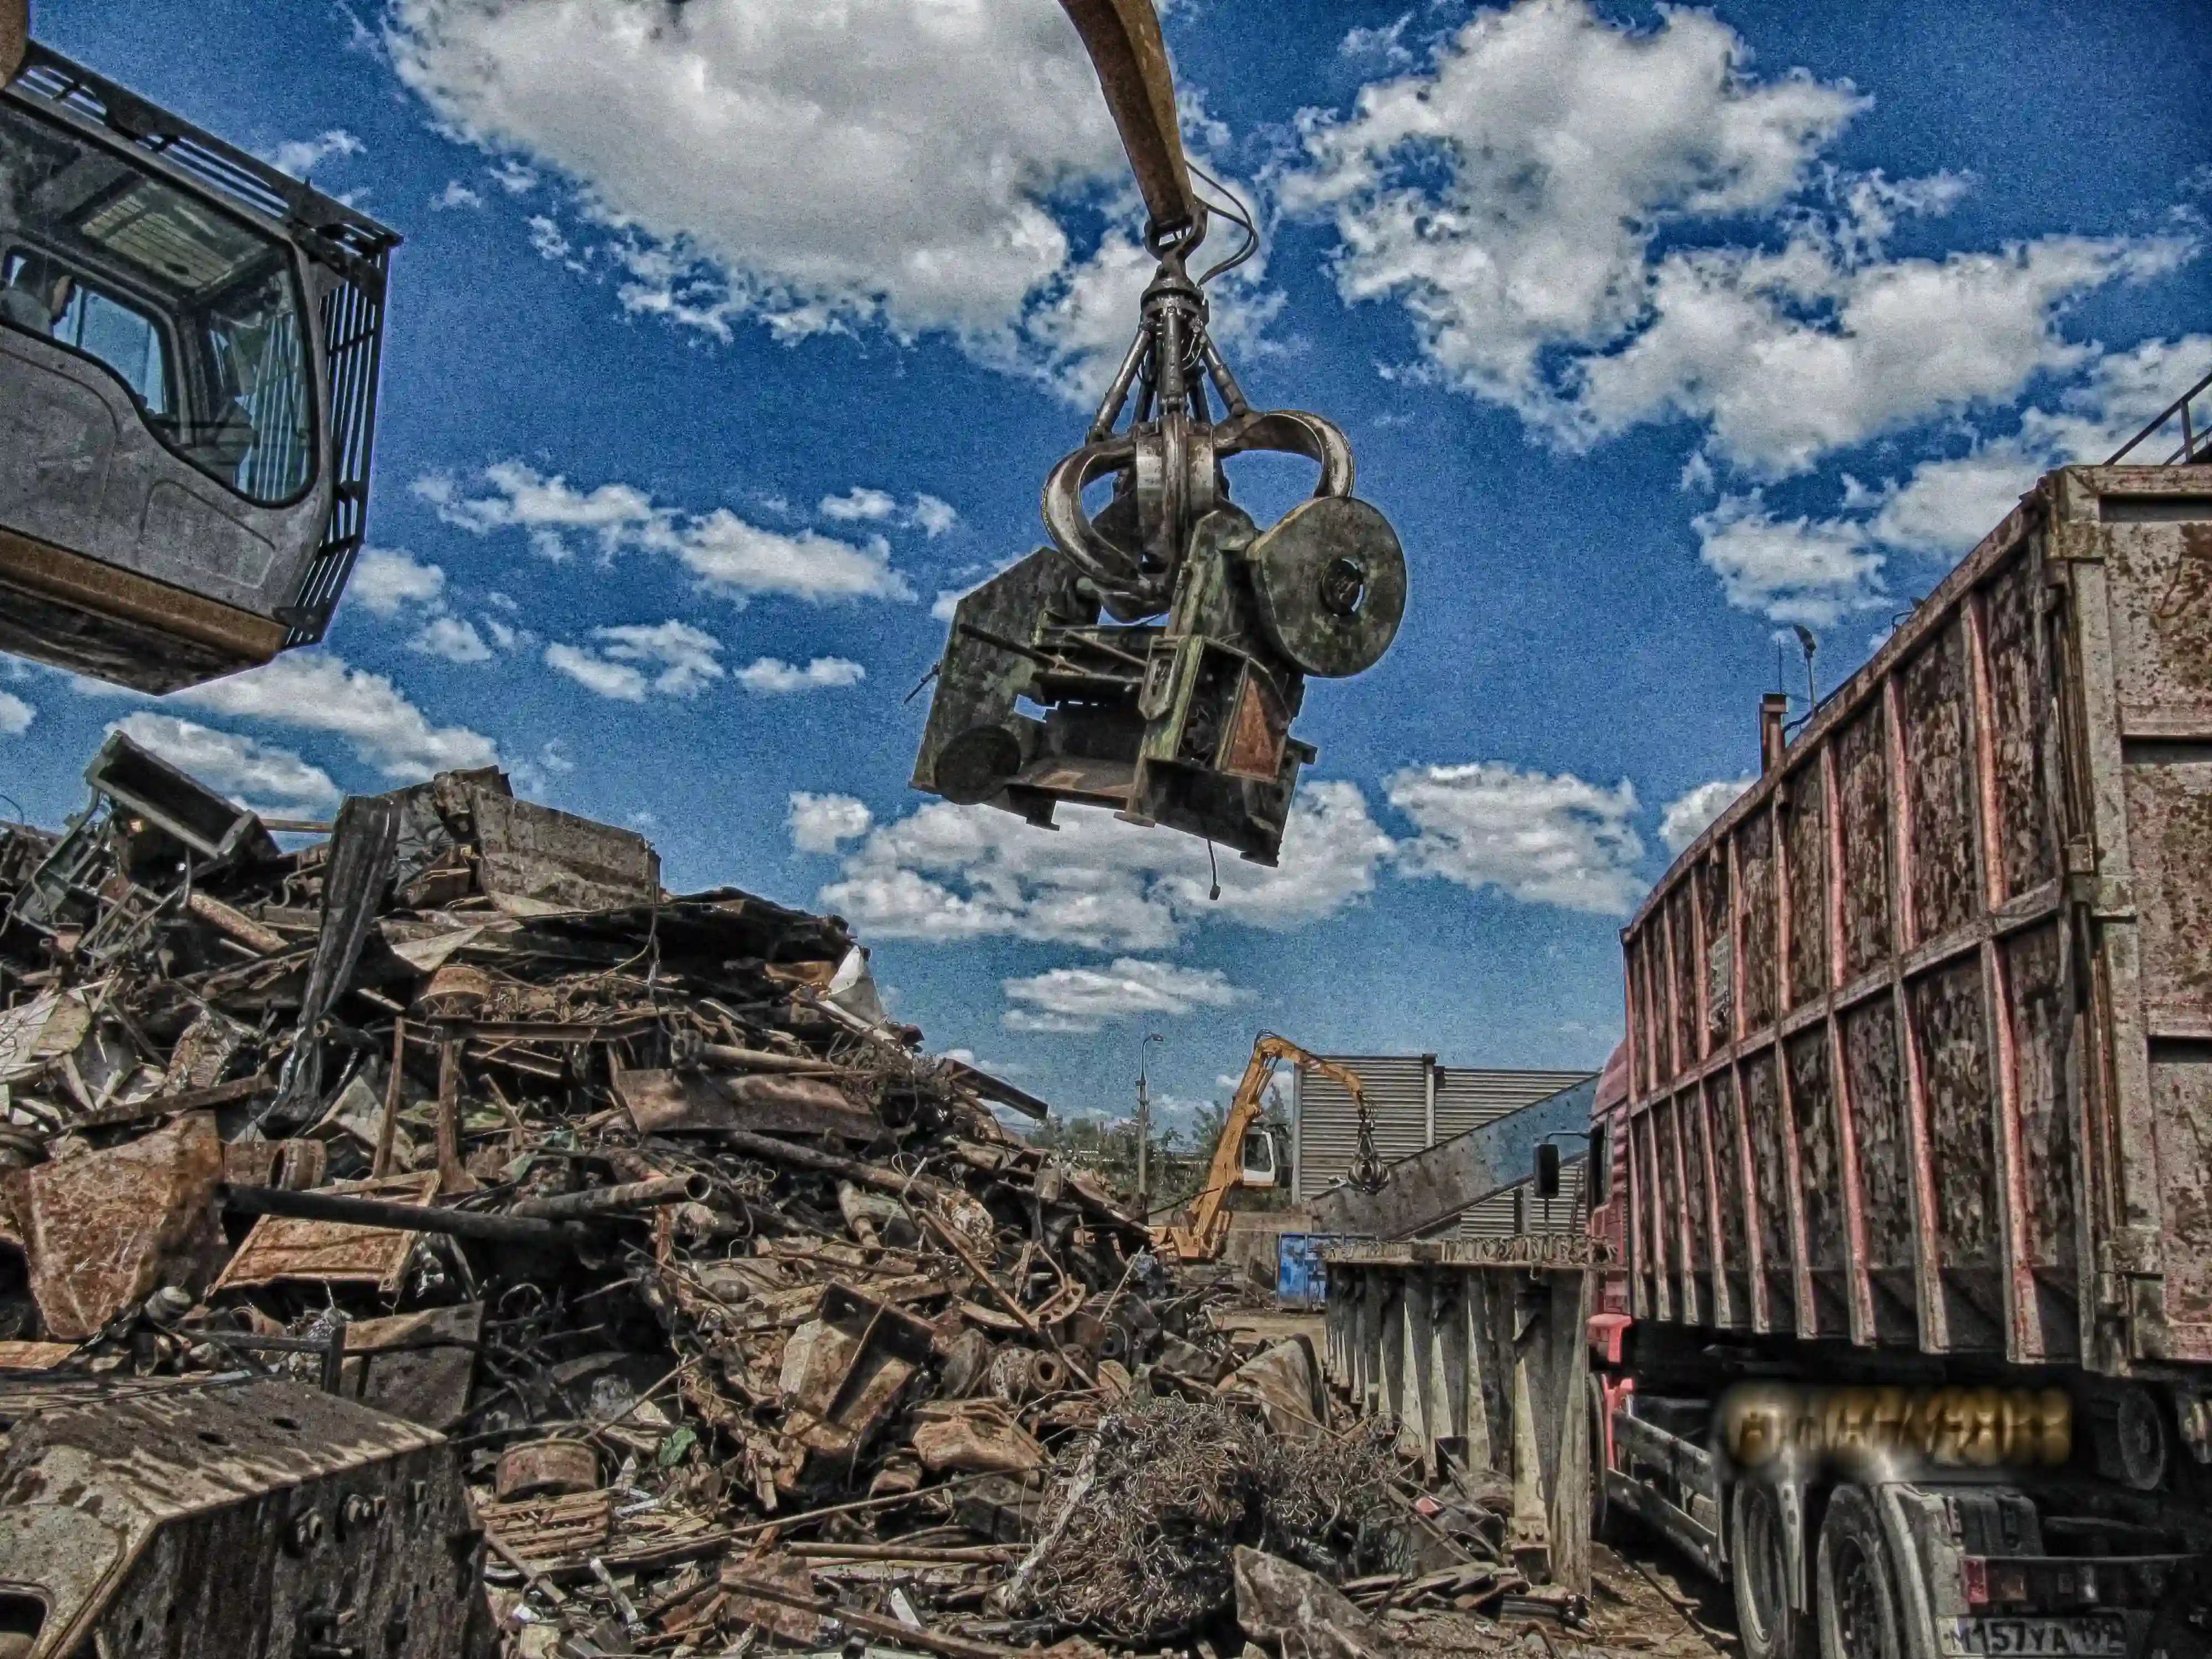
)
(455, 195)
(933, 516)
(859, 502)
(270, 780)
(301, 156)
(453, 639)
(863, 504)
(1800, 570)
(823, 823)
(15, 715)
(730, 556)
(1817, 571)
(1686, 815)
(314, 690)
(1543, 838)
(1086, 999)
(631, 659)
(1509, 194)
(952, 873)
(388, 579)
(875, 160)
(511, 176)
(548, 243)
(555, 758)
(771, 676)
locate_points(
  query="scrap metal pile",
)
(738, 1311)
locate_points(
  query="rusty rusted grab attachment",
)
(1177, 710)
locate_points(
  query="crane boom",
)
(1123, 39)
(1201, 1239)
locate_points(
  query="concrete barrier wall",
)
(1474, 1348)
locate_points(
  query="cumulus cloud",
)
(1800, 570)
(314, 690)
(631, 660)
(272, 780)
(877, 160)
(772, 676)
(954, 872)
(823, 823)
(455, 195)
(731, 557)
(1511, 193)
(1534, 836)
(1686, 815)
(15, 715)
(388, 579)
(1819, 570)
(863, 504)
(1086, 999)
(452, 639)
(301, 156)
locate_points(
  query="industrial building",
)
(1417, 1102)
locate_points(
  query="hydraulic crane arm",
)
(1201, 1238)
(1123, 39)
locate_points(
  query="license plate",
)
(2101, 1636)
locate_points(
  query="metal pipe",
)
(623, 1200)
(377, 1212)
(761, 1060)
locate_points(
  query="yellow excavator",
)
(1244, 1155)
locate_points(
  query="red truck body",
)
(1917, 1090)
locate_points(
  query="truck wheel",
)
(1759, 1571)
(1856, 1591)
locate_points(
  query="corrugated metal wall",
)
(1417, 1103)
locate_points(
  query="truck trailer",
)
(1904, 1194)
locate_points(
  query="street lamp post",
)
(1145, 1128)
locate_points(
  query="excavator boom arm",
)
(1201, 1239)
(1123, 39)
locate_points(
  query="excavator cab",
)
(189, 346)
(1257, 1160)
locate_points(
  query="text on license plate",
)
(2101, 1636)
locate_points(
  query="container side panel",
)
(2181, 1089)
(1873, 1063)
(1950, 1031)
(1762, 1109)
(1670, 1187)
(1689, 1112)
(1728, 1166)
(1862, 781)
(2028, 850)
(1754, 854)
(2169, 797)
(2041, 1020)
(2161, 586)
(1713, 898)
(1933, 692)
(1639, 1027)
(1686, 979)
(1805, 831)
(1821, 1169)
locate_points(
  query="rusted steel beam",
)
(627, 1199)
(376, 1212)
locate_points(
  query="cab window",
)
(194, 308)
(118, 333)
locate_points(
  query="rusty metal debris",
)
(739, 1316)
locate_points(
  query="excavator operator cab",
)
(189, 345)
(1257, 1158)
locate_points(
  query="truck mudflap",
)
(1974, 1581)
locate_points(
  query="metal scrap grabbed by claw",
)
(1166, 639)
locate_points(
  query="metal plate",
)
(1330, 579)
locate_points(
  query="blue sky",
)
(727, 337)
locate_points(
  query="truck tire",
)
(1854, 1585)
(1758, 1573)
